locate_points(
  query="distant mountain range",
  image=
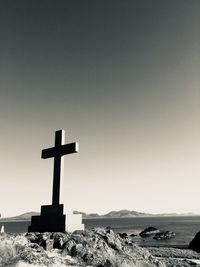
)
(113, 214)
(130, 213)
(23, 217)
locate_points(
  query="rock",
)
(69, 245)
(42, 239)
(166, 252)
(195, 243)
(36, 247)
(150, 231)
(45, 241)
(111, 238)
(164, 235)
(88, 257)
(48, 244)
(133, 235)
(123, 235)
(32, 237)
(59, 239)
(106, 264)
(97, 248)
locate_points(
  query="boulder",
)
(36, 247)
(32, 237)
(48, 244)
(68, 246)
(59, 239)
(133, 235)
(195, 243)
(150, 231)
(111, 239)
(123, 235)
(45, 241)
(164, 235)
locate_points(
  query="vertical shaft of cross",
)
(57, 172)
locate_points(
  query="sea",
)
(185, 228)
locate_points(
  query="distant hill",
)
(23, 217)
(125, 213)
(112, 214)
(85, 215)
(128, 213)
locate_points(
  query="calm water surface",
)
(184, 227)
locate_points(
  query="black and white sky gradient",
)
(123, 79)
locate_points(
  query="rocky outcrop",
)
(94, 248)
(100, 247)
(150, 231)
(123, 235)
(97, 248)
(157, 234)
(164, 235)
(133, 235)
(195, 243)
(176, 257)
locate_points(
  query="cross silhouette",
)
(60, 149)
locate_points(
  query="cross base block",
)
(51, 219)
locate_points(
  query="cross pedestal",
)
(52, 218)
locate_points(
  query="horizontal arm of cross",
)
(60, 150)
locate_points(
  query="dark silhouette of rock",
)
(164, 235)
(123, 235)
(150, 231)
(195, 243)
(133, 235)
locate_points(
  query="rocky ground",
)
(98, 248)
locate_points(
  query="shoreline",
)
(107, 217)
(165, 246)
(131, 226)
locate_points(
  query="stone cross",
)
(60, 149)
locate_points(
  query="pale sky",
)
(122, 78)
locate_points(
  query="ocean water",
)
(184, 227)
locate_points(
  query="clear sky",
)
(123, 79)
